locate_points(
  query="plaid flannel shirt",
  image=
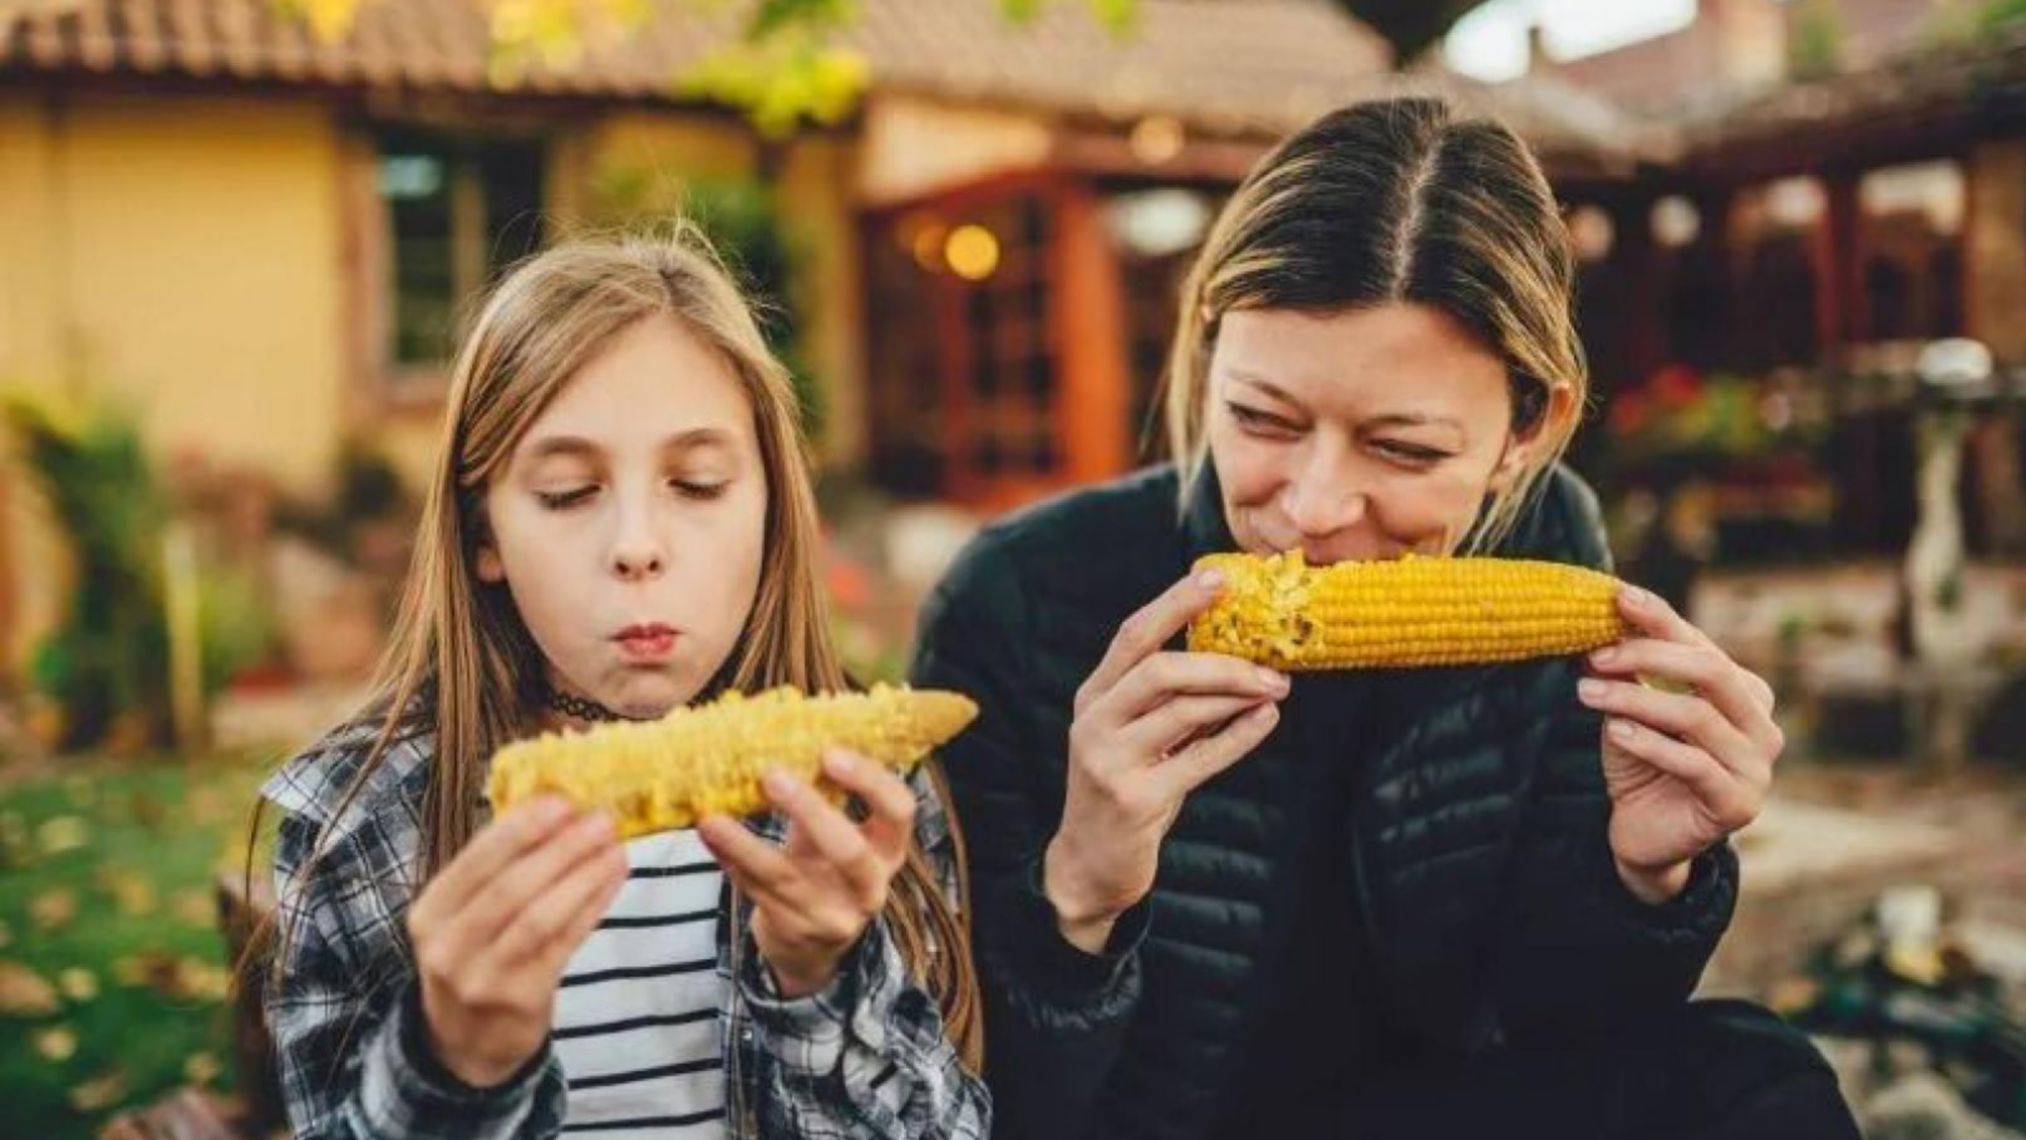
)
(865, 1058)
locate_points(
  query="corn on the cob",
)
(1412, 611)
(694, 762)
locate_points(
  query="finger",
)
(521, 882)
(514, 831)
(1179, 721)
(1143, 634)
(1190, 768)
(1650, 614)
(1703, 667)
(889, 801)
(763, 869)
(532, 934)
(1677, 714)
(835, 838)
(1730, 802)
(1166, 675)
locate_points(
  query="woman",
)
(1213, 902)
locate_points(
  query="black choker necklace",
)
(583, 709)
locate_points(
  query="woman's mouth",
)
(650, 642)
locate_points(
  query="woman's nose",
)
(1322, 501)
(637, 550)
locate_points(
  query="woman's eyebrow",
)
(569, 446)
(1414, 419)
(697, 437)
(1264, 385)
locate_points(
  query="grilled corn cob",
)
(1413, 611)
(657, 775)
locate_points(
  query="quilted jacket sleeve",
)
(1055, 1016)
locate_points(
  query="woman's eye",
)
(700, 490)
(1411, 452)
(1260, 423)
(564, 500)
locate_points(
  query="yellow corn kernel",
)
(657, 775)
(1407, 612)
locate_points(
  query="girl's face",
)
(1357, 435)
(629, 521)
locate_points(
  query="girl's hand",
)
(1150, 727)
(815, 895)
(1683, 769)
(494, 929)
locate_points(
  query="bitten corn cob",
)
(1412, 611)
(694, 762)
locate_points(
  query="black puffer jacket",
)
(1488, 911)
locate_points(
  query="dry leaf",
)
(101, 1092)
(54, 909)
(204, 806)
(199, 980)
(133, 894)
(6, 935)
(153, 968)
(77, 983)
(195, 907)
(25, 993)
(202, 1068)
(62, 833)
(57, 1043)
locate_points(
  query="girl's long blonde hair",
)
(460, 660)
(1390, 201)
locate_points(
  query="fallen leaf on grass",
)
(54, 909)
(202, 1068)
(176, 978)
(78, 983)
(57, 1043)
(63, 833)
(132, 894)
(6, 936)
(101, 1092)
(195, 907)
(25, 993)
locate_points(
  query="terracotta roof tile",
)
(1257, 68)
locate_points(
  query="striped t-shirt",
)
(637, 1015)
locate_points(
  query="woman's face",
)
(629, 521)
(1357, 435)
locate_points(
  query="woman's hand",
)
(1684, 769)
(814, 896)
(494, 929)
(1150, 727)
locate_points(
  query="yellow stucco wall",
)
(181, 256)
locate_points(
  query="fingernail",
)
(1637, 597)
(1604, 656)
(601, 825)
(838, 762)
(555, 809)
(1590, 689)
(1210, 579)
(1273, 680)
(777, 784)
(1620, 730)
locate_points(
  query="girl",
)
(1451, 902)
(620, 523)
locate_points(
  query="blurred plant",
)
(747, 226)
(1679, 413)
(106, 664)
(367, 523)
(107, 661)
(1816, 49)
(782, 66)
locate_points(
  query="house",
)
(262, 240)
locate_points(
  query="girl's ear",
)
(1556, 407)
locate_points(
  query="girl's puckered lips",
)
(652, 641)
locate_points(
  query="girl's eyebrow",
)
(577, 447)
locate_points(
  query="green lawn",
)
(106, 874)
